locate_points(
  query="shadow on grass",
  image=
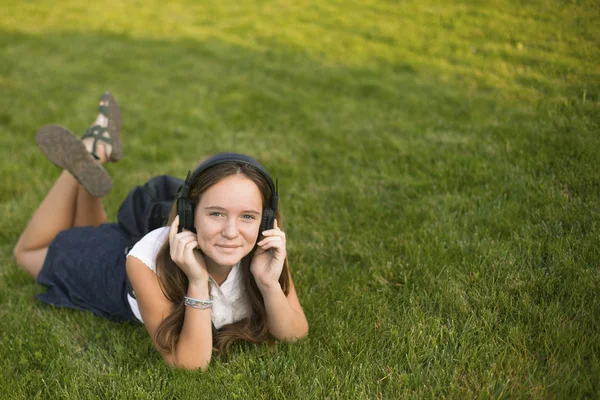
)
(397, 132)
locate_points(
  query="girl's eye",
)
(215, 214)
(247, 216)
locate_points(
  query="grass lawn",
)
(438, 169)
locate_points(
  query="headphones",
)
(185, 207)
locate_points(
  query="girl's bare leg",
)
(66, 205)
(89, 210)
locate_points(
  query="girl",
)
(216, 273)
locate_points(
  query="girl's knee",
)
(30, 261)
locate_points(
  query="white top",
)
(229, 300)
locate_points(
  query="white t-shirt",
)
(229, 300)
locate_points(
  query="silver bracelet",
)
(197, 303)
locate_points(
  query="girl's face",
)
(228, 219)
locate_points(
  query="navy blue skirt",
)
(85, 270)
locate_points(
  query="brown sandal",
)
(110, 109)
(66, 150)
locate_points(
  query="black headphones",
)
(185, 207)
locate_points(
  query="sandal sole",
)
(65, 150)
(114, 126)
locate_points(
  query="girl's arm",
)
(194, 348)
(285, 319)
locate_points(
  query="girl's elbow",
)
(300, 333)
(195, 367)
(303, 331)
(190, 365)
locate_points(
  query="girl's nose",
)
(230, 230)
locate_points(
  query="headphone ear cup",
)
(180, 214)
(268, 219)
(189, 216)
(185, 210)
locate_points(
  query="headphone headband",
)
(224, 158)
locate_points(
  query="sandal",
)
(109, 108)
(66, 150)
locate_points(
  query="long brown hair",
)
(174, 282)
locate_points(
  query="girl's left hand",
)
(267, 262)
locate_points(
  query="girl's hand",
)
(267, 262)
(185, 253)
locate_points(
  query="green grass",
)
(438, 164)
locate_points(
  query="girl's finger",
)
(270, 238)
(185, 235)
(273, 241)
(173, 232)
(274, 232)
(274, 246)
(181, 240)
(188, 249)
(173, 229)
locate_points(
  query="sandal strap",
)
(104, 110)
(97, 133)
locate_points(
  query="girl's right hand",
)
(186, 254)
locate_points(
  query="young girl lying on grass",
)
(217, 273)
